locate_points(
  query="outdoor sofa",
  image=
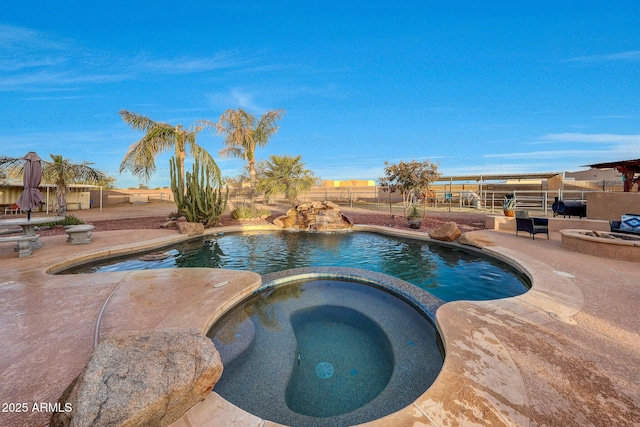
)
(629, 224)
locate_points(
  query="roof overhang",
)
(621, 165)
(499, 177)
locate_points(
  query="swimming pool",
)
(326, 352)
(450, 273)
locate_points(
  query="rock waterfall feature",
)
(314, 216)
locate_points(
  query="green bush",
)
(68, 220)
(245, 212)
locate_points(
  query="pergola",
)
(498, 177)
(628, 169)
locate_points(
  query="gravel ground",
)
(146, 217)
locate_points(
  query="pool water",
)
(447, 272)
(345, 360)
(325, 352)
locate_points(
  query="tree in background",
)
(159, 137)
(286, 175)
(62, 173)
(108, 183)
(243, 133)
(241, 183)
(412, 179)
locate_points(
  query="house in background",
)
(78, 196)
(628, 169)
(349, 183)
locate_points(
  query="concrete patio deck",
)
(565, 353)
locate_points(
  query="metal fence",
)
(374, 198)
(115, 197)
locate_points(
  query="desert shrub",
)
(245, 212)
(68, 220)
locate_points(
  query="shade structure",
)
(31, 196)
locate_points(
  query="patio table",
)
(29, 226)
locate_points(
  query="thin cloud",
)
(60, 79)
(188, 65)
(235, 98)
(597, 138)
(32, 61)
(549, 154)
(498, 169)
(632, 55)
(16, 38)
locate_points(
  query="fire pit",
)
(603, 244)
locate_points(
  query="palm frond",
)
(137, 121)
(11, 167)
(62, 172)
(267, 126)
(140, 158)
(201, 155)
(237, 125)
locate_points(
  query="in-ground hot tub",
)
(328, 351)
(603, 244)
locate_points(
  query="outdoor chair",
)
(13, 209)
(531, 225)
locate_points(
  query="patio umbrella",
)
(31, 196)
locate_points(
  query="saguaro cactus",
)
(197, 199)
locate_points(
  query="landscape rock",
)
(292, 213)
(284, 221)
(142, 379)
(170, 224)
(190, 228)
(317, 216)
(475, 239)
(447, 232)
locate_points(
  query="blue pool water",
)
(325, 353)
(446, 272)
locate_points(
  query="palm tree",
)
(140, 159)
(244, 133)
(62, 172)
(287, 175)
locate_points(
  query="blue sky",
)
(479, 87)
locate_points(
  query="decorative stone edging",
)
(426, 303)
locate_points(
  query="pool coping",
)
(425, 303)
(484, 380)
(559, 311)
(414, 305)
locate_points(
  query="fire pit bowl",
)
(602, 244)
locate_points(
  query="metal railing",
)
(373, 198)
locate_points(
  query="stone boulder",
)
(474, 239)
(447, 232)
(190, 228)
(287, 220)
(316, 216)
(171, 224)
(142, 379)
